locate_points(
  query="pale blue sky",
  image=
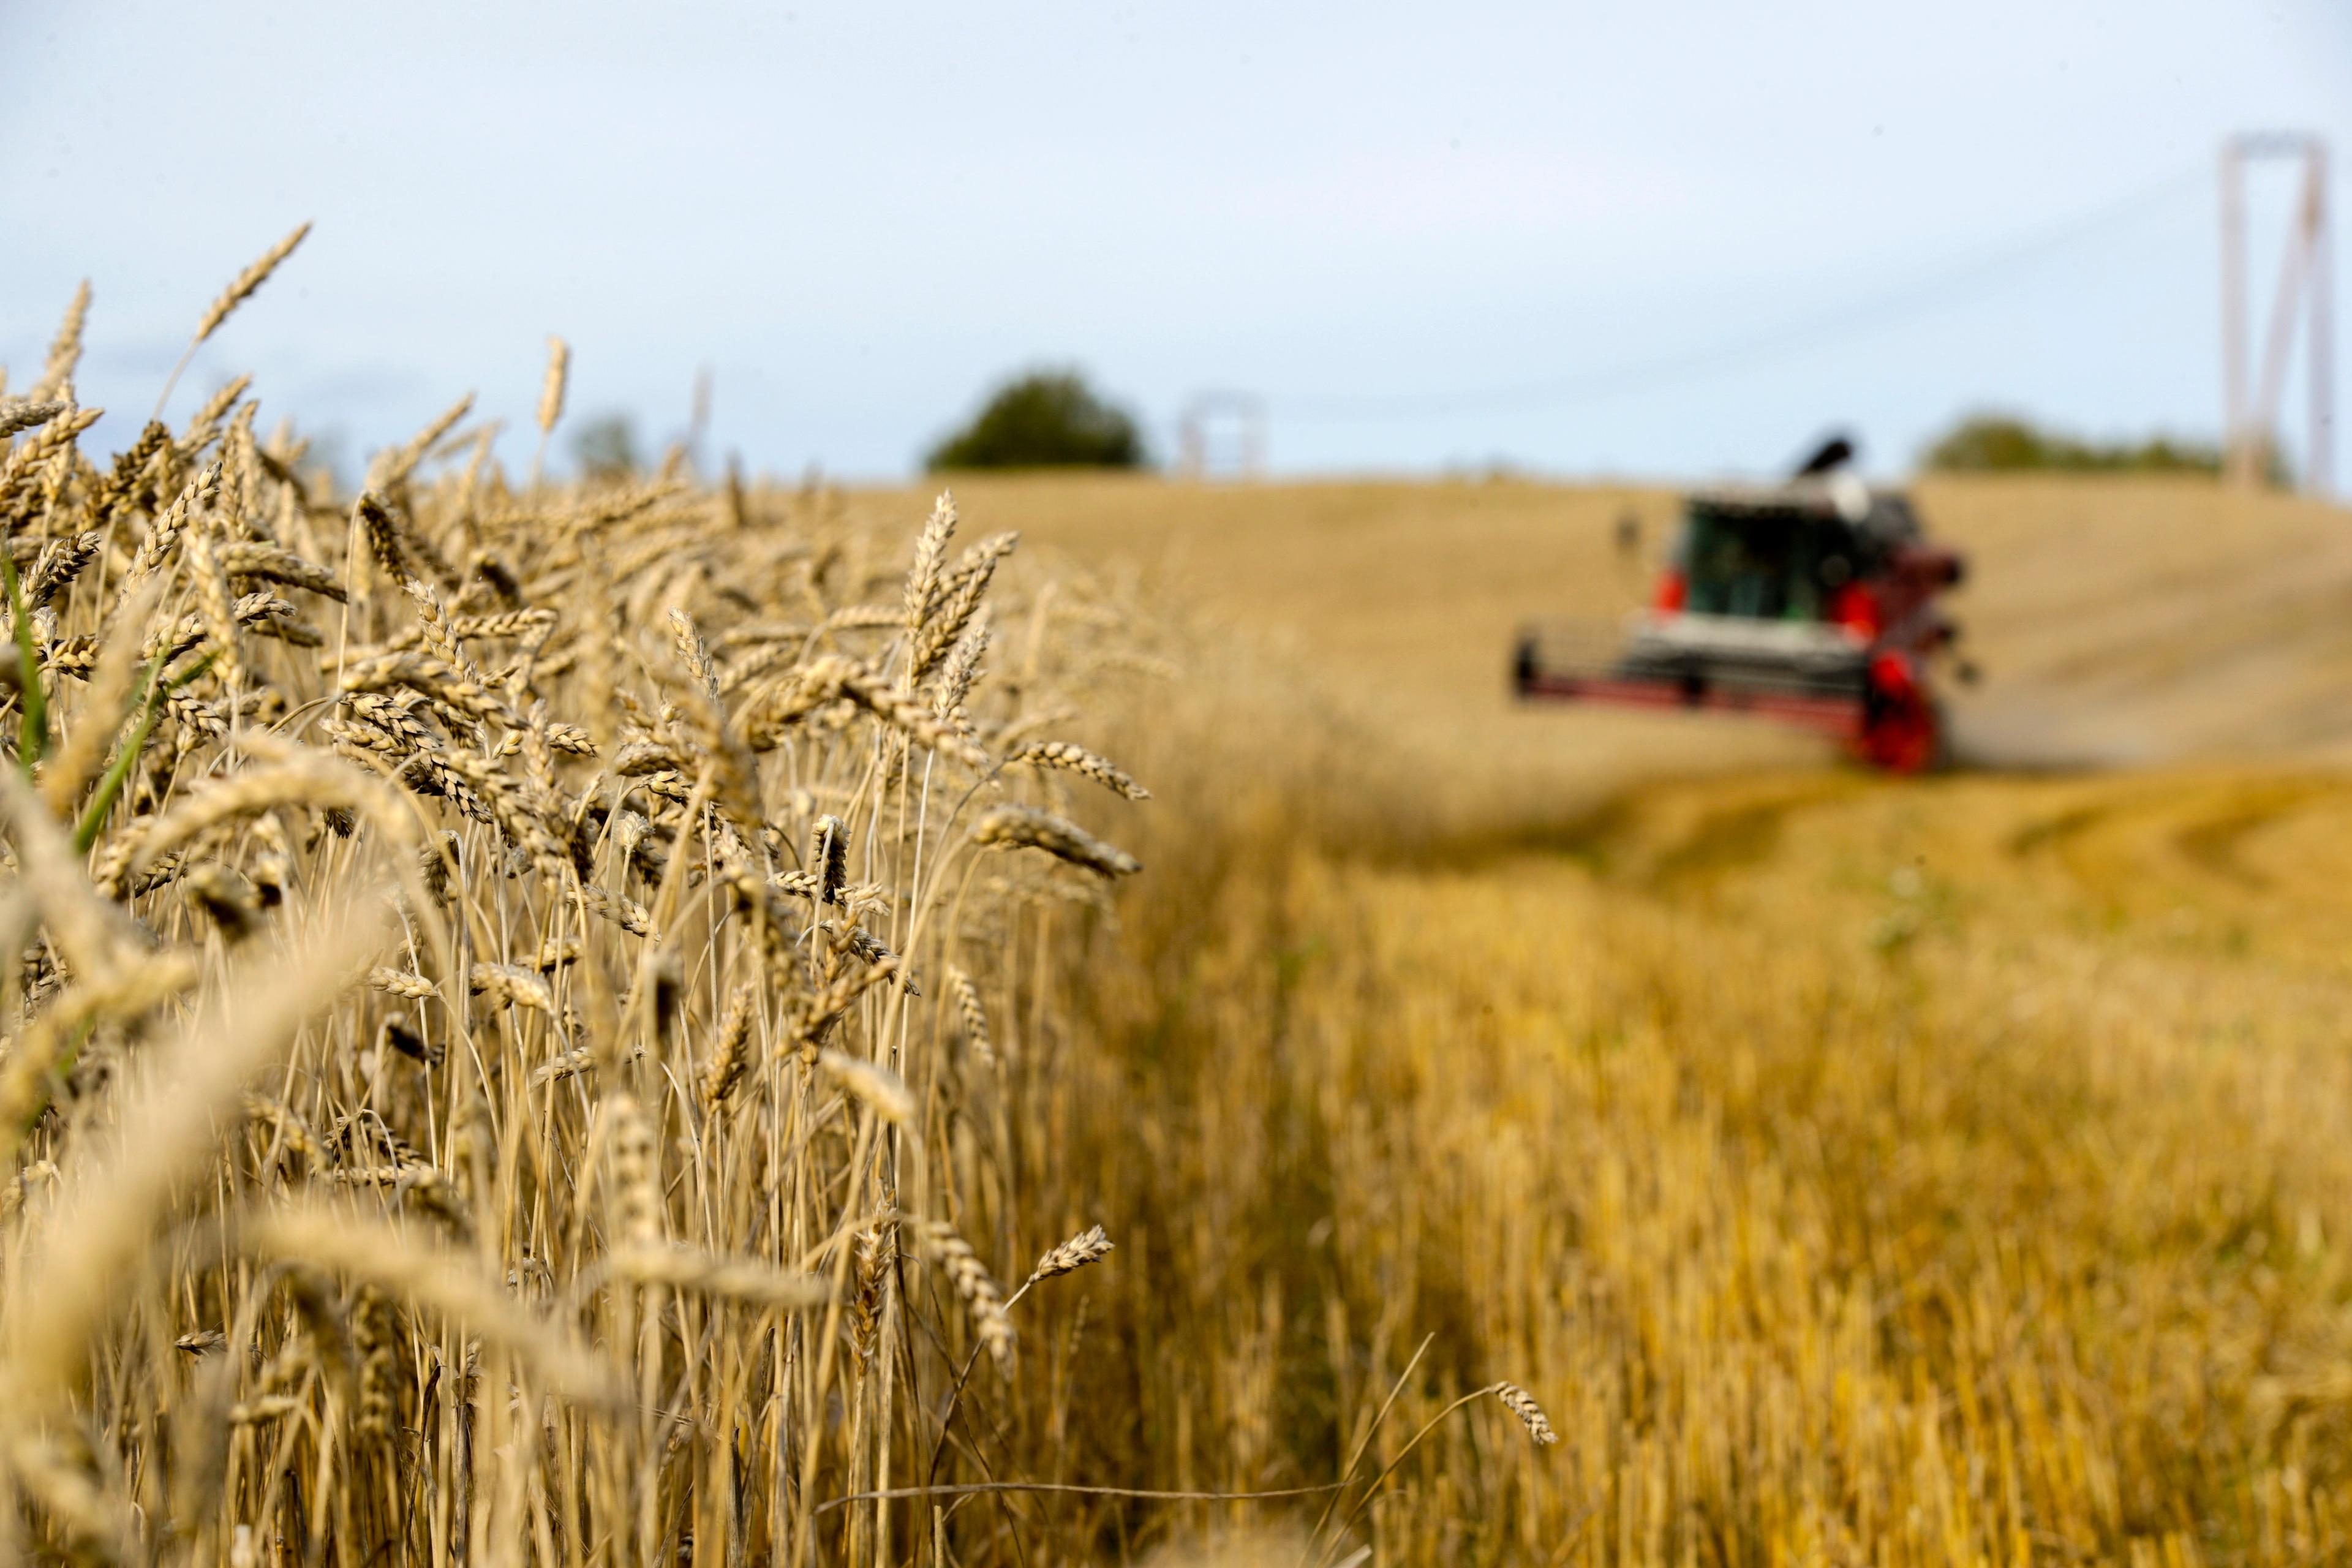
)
(859, 215)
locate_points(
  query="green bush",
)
(1986, 443)
(606, 448)
(1044, 419)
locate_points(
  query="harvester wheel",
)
(1901, 731)
(1903, 738)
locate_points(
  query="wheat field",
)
(1857, 1170)
(655, 1022)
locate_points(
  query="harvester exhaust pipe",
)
(1834, 453)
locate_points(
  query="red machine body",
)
(1814, 602)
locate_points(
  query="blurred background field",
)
(1859, 1169)
(2141, 620)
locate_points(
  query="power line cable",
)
(1641, 375)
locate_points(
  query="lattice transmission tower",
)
(1222, 434)
(2250, 427)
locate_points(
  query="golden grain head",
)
(245, 283)
(1521, 1403)
(552, 388)
(65, 349)
(1026, 828)
(1073, 1255)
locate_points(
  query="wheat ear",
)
(551, 401)
(1025, 827)
(1072, 1255)
(1077, 760)
(65, 349)
(23, 413)
(973, 1286)
(435, 1279)
(239, 291)
(1522, 1403)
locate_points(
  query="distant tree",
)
(606, 448)
(1044, 419)
(328, 450)
(2007, 443)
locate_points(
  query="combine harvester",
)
(1811, 602)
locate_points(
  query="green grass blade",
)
(118, 772)
(33, 737)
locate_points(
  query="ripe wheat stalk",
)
(370, 788)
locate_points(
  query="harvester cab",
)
(1813, 601)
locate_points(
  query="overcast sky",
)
(1666, 239)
